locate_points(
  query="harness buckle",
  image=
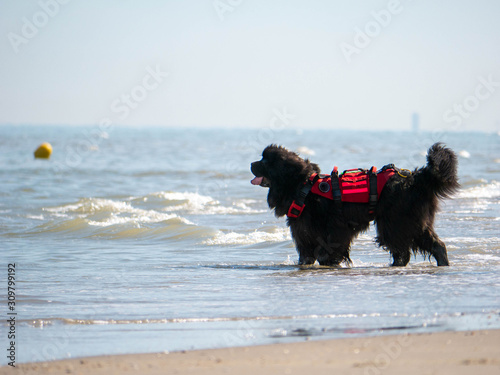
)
(295, 210)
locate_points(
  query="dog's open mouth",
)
(261, 181)
(257, 180)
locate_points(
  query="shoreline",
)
(462, 352)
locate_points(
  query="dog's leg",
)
(304, 260)
(333, 250)
(439, 253)
(400, 258)
(392, 236)
(430, 243)
(392, 241)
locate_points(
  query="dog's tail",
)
(441, 171)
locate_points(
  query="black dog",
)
(324, 230)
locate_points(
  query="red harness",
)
(353, 185)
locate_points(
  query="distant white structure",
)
(415, 122)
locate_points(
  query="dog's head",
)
(259, 169)
(283, 172)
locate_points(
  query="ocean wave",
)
(107, 212)
(464, 153)
(157, 215)
(303, 150)
(175, 228)
(119, 218)
(71, 321)
(482, 246)
(488, 190)
(90, 206)
(482, 258)
(163, 203)
(196, 204)
(40, 323)
(473, 240)
(233, 238)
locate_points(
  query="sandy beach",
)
(468, 352)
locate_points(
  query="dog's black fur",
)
(404, 214)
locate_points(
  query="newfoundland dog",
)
(324, 219)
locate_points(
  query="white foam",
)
(465, 154)
(160, 207)
(187, 199)
(306, 151)
(90, 206)
(137, 218)
(106, 212)
(35, 217)
(490, 190)
(484, 240)
(482, 258)
(233, 238)
(289, 261)
(197, 204)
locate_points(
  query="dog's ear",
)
(273, 153)
(312, 166)
(315, 167)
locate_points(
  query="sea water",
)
(146, 239)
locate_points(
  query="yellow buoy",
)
(43, 151)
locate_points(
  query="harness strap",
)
(298, 204)
(372, 202)
(337, 197)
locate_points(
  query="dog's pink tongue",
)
(257, 180)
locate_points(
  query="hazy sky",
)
(235, 63)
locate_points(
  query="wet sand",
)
(468, 352)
